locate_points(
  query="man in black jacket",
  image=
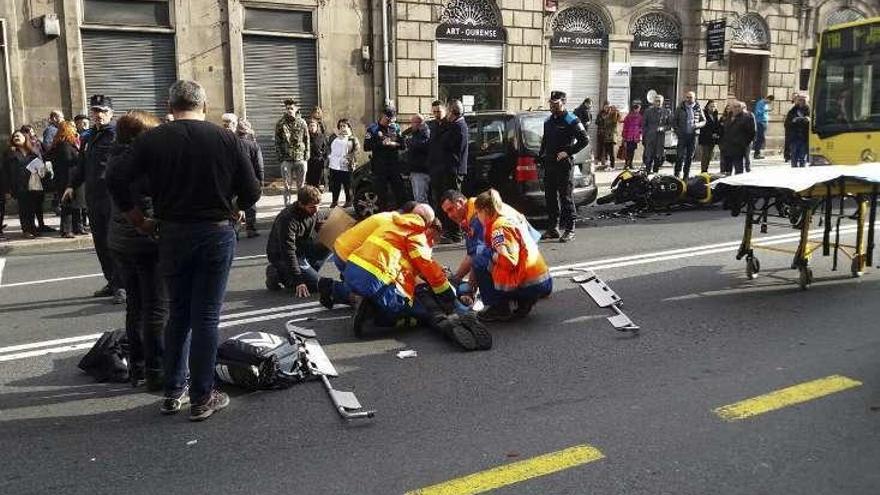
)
(295, 256)
(687, 120)
(91, 170)
(451, 164)
(739, 132)
(384, 142)
(564, 136)
(200, 178)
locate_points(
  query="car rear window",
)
(532, 126)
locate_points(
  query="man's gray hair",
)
(186, 95)
(455, 108)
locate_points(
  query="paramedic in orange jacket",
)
(507, 263)
(331, 291)
(463, 211)
(385, 267)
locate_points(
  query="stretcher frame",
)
(827, 199)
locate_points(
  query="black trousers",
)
(385, 177)
(99, 213)
(2, 210)
(146, 307)
(30, 214)
(558, 192)
(340, 180)
(70, 220)
(440, 183)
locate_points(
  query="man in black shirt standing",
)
(195, 169)
(384, 141)
(90, 171)
(564, 136)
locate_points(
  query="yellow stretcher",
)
(835, 194)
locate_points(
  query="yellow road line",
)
(786, 397)
(515, 472)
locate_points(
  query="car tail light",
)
(526, 169)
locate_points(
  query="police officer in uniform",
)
(564, 136)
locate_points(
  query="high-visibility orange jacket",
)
(515, 263)
(396, 253)
(474, 230)
(354, 237)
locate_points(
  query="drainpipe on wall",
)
(386, 64)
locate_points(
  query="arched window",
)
(656, 25)
(750, 30)
(842, 16)
(579, 20)
(470, 13)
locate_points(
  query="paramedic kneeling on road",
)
(384, 269)
(507, 263)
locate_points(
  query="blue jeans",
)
(760, 133)
(492, 296)
(685, 151)
(798, 150)
(194, 260)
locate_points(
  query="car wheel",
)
(366, 203)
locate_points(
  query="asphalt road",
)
(560, 379)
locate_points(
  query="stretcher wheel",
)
(856, 267)
(805, 277)
(753, 267)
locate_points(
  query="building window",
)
(656, 25)
(842, 16)
(144, 13)
(579, 20)
(470, 13)
(278, 21)
(750, 30)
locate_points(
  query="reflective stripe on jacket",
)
(396, 253)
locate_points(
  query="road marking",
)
(560, 270)
(79, 342)
(515, 472)
(785, 397)
(2, 266)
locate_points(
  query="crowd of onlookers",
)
(734, 130)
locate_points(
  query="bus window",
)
(848, 94)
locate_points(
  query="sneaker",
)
(67, 235)
(568, 236)
(119, 296)
(272, 281)
(499, 312)
(215, 402)
(173, 404)
(550, 234)
(362, 314)
(105, 291)
(325, 292)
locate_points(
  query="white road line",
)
(2, 266)
(94, 275)
(36, 349)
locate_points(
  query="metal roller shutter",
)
(135, 69)
(274, 69)
(470, 54)
(650, 59)
(579, 74)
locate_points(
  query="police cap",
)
(557, 95)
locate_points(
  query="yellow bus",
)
(845, 89)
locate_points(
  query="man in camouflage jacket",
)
(292, 145)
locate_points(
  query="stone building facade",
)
(350, 56)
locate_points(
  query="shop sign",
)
(715, 32)
(654, 44)
(460, 32)
(562, 39)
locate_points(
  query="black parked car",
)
(503, 147)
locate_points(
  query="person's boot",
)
(363, 313)
(497, 312)
(567, 236)
(119, 296)
(325, 292)
(523, 308)
(551, 233)
(105, 291)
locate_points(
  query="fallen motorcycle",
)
(660, 191)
